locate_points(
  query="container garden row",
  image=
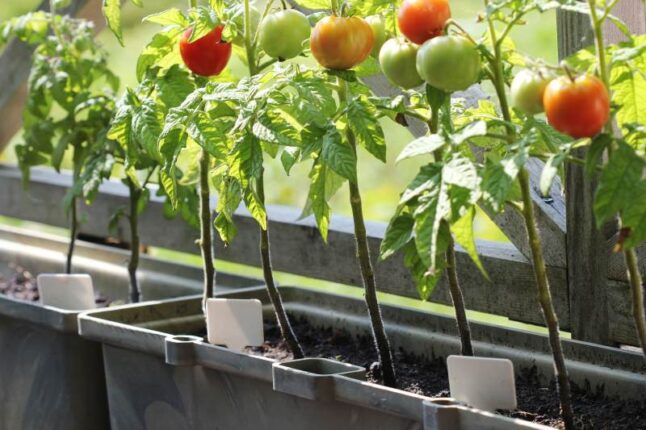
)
(192, 135)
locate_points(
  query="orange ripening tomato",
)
(421, 20)
(206, 56)
(579, 107)
(340, 43)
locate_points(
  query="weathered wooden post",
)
(588, 249)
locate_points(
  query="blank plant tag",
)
(70, 292)
(236, 323)
(483, 383)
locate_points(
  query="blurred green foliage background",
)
(380, 183)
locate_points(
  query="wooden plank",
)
(297, 246)
(16, 61)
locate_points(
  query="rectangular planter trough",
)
(49, 376)
(162, 375)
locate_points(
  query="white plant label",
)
(70, 292)
(236, 323)
(483, 383)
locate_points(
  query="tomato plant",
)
(70, 101)
(206, 56)
(283, 34)
(450, 63)
(421, 20)
(578, 106)
(398, 61)
(527, 91)
(340, 43)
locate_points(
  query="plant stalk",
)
(285, 326)
(451, 268)
(540, 271)
(286, 330)
(206, 243)
(545, 300)
(637, 290)
(73, 222)
(634, 276)
(133, 264)
(369, 284)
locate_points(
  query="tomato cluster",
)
(578, 107)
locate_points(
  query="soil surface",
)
(429, 377)
(21, 284)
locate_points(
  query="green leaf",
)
(628, 86)
(172, 16)
(338, 155)
(174, 86)
(256, 208)
(634, 217)
(499, 178)
(363, 121)
(162, 51)
(462, 231)
(616, 183)
(112, 13)
(398, 233)
(422, 146)
(147, 127)
(595, 151)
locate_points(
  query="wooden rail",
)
(298, 249)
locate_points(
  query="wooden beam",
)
(296, 245)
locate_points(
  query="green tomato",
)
(398, 58)
(378, 25)
(283, 34)
(449, 63)
(527, 91)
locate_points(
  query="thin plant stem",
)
(369, 283)
(451, 264)
(206, 243)
(286, 329)
(133, 264)
(74, 224)
(540, 271)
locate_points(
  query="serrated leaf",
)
(338, 155)
(616, 183)
(398, 233)
(363, 121)
(462, 231)
(112, 13)
(172, 16)
(634, 217)
(422, 146)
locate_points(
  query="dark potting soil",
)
(21, 284)
(429, 377)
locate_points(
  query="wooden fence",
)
(588, 281)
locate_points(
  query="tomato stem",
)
(540, 270)
(206, 244)
(135, 195)
(367, 274)
(451, 264)
(73, 215)
(284, 325)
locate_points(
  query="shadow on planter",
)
(49, 376)
(163, 379)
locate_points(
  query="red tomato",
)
(206, 56)
(341, 43)
(421, 20)
(579, 107)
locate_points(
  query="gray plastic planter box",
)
(49, 376)
(162, 375)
